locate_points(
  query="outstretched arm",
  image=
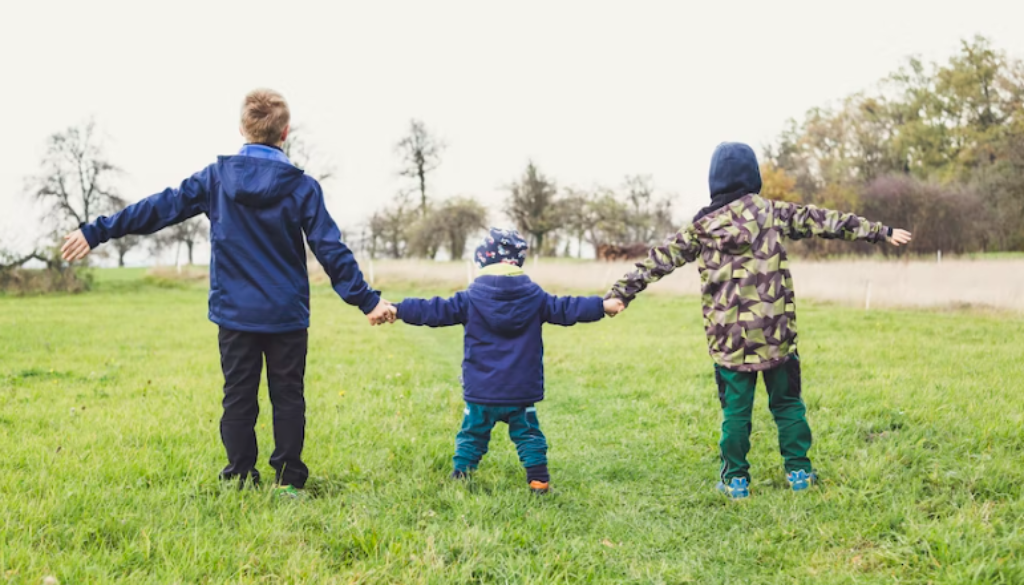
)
(661, 261)
(572, 310)
(324, 239)
(435, 312)
(804, 221)
(149, 215)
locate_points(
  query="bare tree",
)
(9, 260)
(124, 245)
(157, 244)
(420, 152)
(74, 182)
(187, 233)
(639, 190)
(649, 219)
(120, 246)
(306, 156)
(389, 228)
(532, 206)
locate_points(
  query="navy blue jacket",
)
(259, 207)
(503, 360)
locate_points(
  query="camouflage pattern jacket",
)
(747, 290)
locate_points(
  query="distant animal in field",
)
(617, 252)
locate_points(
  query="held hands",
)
(900, 237)
(385, 312)
(75, 246)
(613, 307)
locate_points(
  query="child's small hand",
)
(613, 307)
(75, 246)
(384, 312)
(900, 237)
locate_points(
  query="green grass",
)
(109, 404)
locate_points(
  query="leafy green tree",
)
(955, 127)
(459, 218)
(532, 205)
(574, 218)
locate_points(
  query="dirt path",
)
(994, 283)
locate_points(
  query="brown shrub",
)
(22, 282)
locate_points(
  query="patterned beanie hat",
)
(501, 246)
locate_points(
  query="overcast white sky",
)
(590, 90)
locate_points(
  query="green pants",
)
(736, 393)
(523, 428)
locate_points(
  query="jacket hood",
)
(258, 182)
(507, 303)
(734, 170)
(734, 174)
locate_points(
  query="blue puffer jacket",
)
(503, 360)
(259, 206)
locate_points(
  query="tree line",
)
(937, 148)
(557, 222)
(76, 183)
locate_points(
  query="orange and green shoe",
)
(539, 487)
(290, 492)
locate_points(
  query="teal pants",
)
(523, 429)
(736, 393)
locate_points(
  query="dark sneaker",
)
(459, 474)
(800, 480)
(737, 489)
(539, 487)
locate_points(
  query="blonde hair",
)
(265, 115)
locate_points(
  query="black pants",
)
(241, 358)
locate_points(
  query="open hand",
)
(613, 307)
(900, 237)
(384, 312)
(75, 246)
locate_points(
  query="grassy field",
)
(109, 404)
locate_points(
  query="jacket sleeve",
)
(435, 312)
(804, 221)
(155, 212)
(572, 310)
(324, 240)
(661, 261)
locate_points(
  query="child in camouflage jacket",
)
(749, 308)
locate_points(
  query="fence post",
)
(939, 260)
(370, 271)
(469, 272)
(867, 297)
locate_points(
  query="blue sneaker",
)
(737, 489)
(800, 480)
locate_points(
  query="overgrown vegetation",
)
(938, 149)
(55, 276)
